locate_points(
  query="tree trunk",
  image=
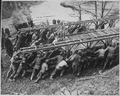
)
(79, 12)
(96, 25)
(102, 10)
(102, 25)
(16, 6)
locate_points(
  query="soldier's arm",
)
(96, 51)
(107, 48)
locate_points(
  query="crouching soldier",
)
(61, 66)
(43, 71)
(15, 61)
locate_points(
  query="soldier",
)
(15, 61)
(37, 64)
(31, 57)
(60, 66)
(43, 70)
(8, 46)
(58, 21)
(101, 56)
(28, 38)
(58, 58)
(44, 34)
(111, 49)
(116, 55)
(7, 32)
(75, 58)
(54, 21)
(21, 41)
(21, 68)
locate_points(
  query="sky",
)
(52, 9)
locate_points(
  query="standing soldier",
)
(7, 32)
(58, 21)
(54, 21)
(8, 46)
(15, 61)
(111, 49)
(101, 56)
(21, 41)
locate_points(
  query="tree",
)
(101, 9)
(74, 5)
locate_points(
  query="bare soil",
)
(90, 82)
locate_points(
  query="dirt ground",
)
(88, 83)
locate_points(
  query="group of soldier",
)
(50, 62)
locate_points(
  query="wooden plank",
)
(74, 23)
(85, 36)
(101, 33)
(93, 31)
(80, 46)
(109, 32)
(95, 36)
(98, 34)
(73, 43)
(91, 35)
(105, 31)
(115, 30)
(74, 47)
